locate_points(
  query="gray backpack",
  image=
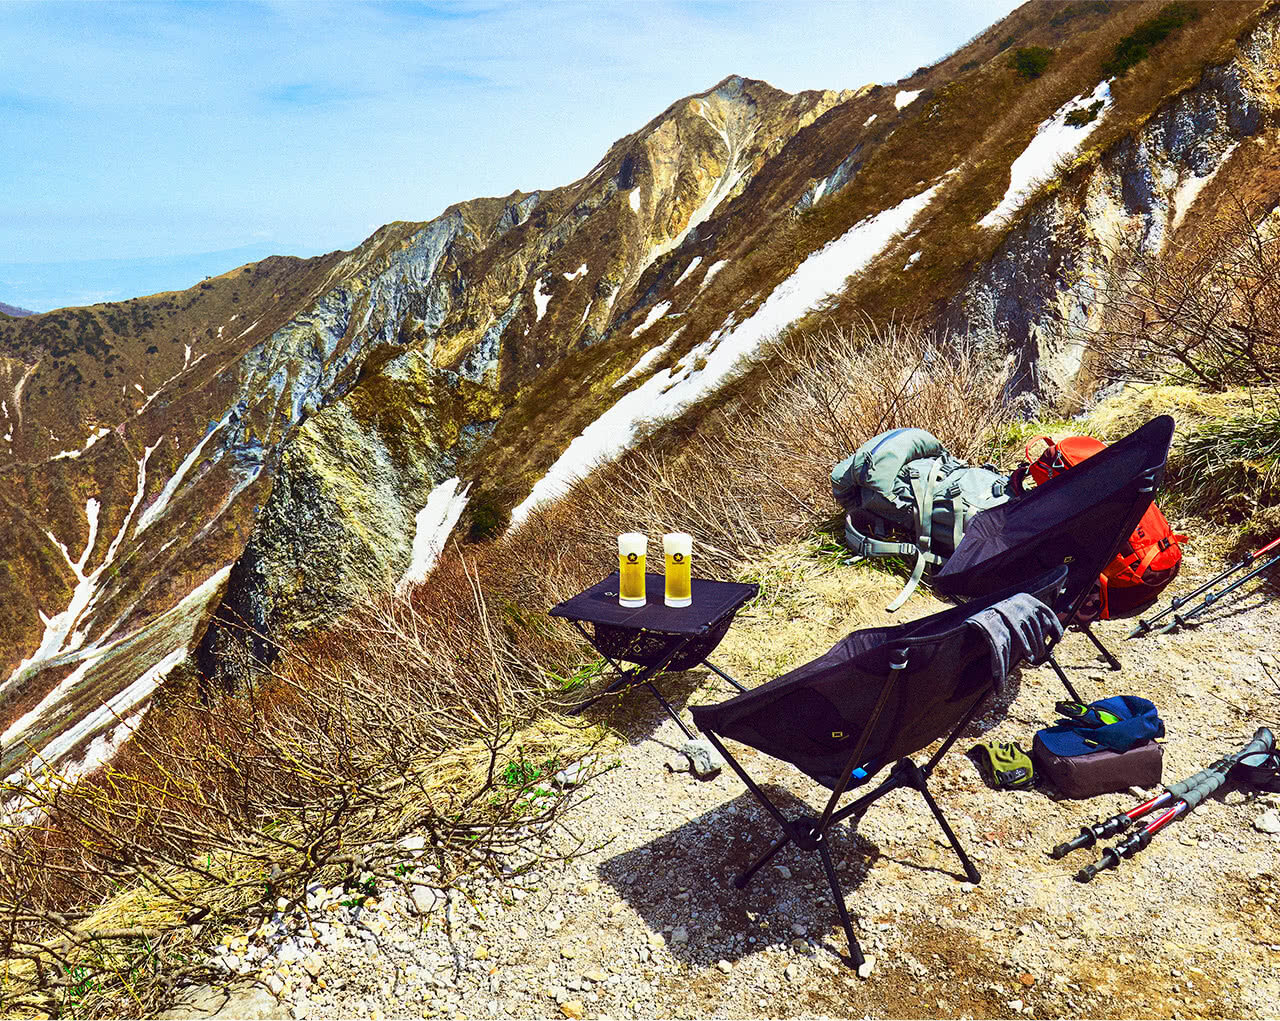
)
(905, 481)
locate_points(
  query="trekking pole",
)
(1116, 824)
(1263, 744)
(1144, 625)
(1213, 597)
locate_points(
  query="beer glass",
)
(632, 547)
(678, 547)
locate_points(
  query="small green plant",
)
(1136, 46)
(367, 887)
(82, 982)
(1085, 115)
(579, 678)
(1031, 61)
(520, 772)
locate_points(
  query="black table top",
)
(712, 600)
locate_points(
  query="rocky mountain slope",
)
(13, 311)
(275, 442)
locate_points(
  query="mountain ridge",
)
(279, 472)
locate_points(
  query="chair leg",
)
(1062, 676)
(918, 781)
(855, 950)
(744, 877)
(1112, 662)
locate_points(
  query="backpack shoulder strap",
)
(923, 487)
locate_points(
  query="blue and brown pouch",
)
(1107, 746)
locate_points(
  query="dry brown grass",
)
(1204, 311)
(756, 474)
(397, 722)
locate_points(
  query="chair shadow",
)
(684, 878)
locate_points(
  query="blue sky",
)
(139, 138)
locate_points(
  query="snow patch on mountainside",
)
(161, 502)
(712, 270)
(59, 638)
(541, 299)
(1055, 140)
(87, 444)
(581, 271)
(694, 263)
(655, 313)
(445, 504)
(902, 99)
(669, 392)
(635, 200)
(646, 360)
(1190, 187)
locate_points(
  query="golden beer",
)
(632, 547)
(678, 548)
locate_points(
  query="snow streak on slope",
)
(59, 637)
(712, 270)
(541, 299)
(655, 313)
(670, 392)
(646, 361)
(171, 631)
(161, 502)
(902, 99)
(1055, 140)
(434, 523)
(1185, 194)
(87, 444)
(694, 263)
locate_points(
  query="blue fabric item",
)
(1139, 720)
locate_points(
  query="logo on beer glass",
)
(678, 548)
(632, 547)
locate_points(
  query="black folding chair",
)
(1079, 518)
(880, 695)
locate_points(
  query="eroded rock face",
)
(1040, 296)
(479, 301)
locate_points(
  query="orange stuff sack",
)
(1147, 561)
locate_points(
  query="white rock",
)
(574, 774)
(680, 935)
(789, 972)
(704, 761)
(724, 966)
(783, 871)
(426, 899)
(413, 844)
(1267, 822)
(867, 966)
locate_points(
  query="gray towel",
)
(1020, 627)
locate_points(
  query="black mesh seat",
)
(1079, 518)
(877, 697)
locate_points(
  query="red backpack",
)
(1146, 562)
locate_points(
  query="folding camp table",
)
(655, 637)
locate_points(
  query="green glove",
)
(1005, 764)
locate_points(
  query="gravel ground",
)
(649, 925)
